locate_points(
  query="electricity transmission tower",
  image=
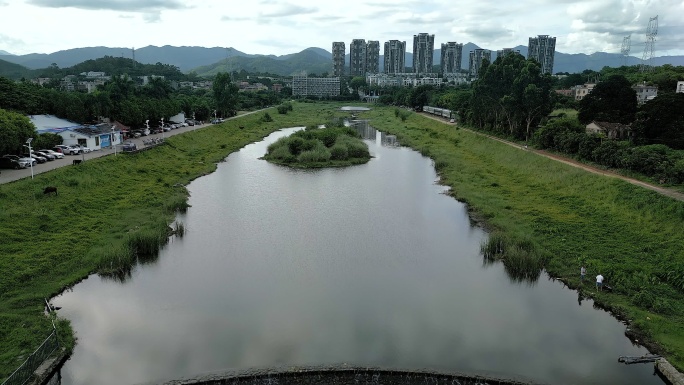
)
(649, 49)
(626, 46)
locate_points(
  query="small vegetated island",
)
(319, 147)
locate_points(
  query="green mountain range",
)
(208, 61)
(311, 60)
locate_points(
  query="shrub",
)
(318, 154)
(282, 109)
(295, 145)
(339, 152)
(266, 117)
(328, 137)
(650, 160)
(546, 136)
(283, 154)
(609, 153)
(587, 144)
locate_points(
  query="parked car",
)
(37, 157)
(10, 163)
(84, 149)
(129, 146)
(190, 122)
(68, 150)
(24, 162)
(75, 149)
(57, 155)
(45, 155)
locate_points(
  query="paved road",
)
(572, 162)
(12, 175)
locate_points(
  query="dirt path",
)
(569, 161)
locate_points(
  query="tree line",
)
(513, 99)
(122, 99)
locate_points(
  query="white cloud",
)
(115, 5)
(282, 27)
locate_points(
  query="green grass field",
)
(111, 207)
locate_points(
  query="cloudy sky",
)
(286, 26)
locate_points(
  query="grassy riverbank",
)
(107, 210)
(562, 217)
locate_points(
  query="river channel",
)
(370, 265)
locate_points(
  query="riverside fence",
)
(28, 368)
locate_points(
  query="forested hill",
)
(311, 60)
(13, 71)
(183, 57)
(114, 66)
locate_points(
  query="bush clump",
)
(319, 147)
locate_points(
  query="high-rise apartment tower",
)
(505, 51)
(395, 53)
(423, 48)
(451, 57)
(475, 62)
(338, 52)
(357, 57)
(542, 49)
(373, 57)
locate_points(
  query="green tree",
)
(158, 88)
(511, 96)
(612, 100)
(660, 121)
(225, 94)
(15, 128)
(420, 96)
(357, 83)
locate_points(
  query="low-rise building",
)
(92, 74)
(680, 87)
(610, 130)
(645, 92)
(41, 81)
(582, 90)
(320, 87)
(95, 137)
(146, 79)
(423, 80)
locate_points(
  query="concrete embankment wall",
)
(344, 376)
(669, 372)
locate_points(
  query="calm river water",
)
(369, 265)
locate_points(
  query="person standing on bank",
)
(583, 273)
(599, 282)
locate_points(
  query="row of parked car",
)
(40, 156)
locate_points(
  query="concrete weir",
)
(343, 376)
(669, 372)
